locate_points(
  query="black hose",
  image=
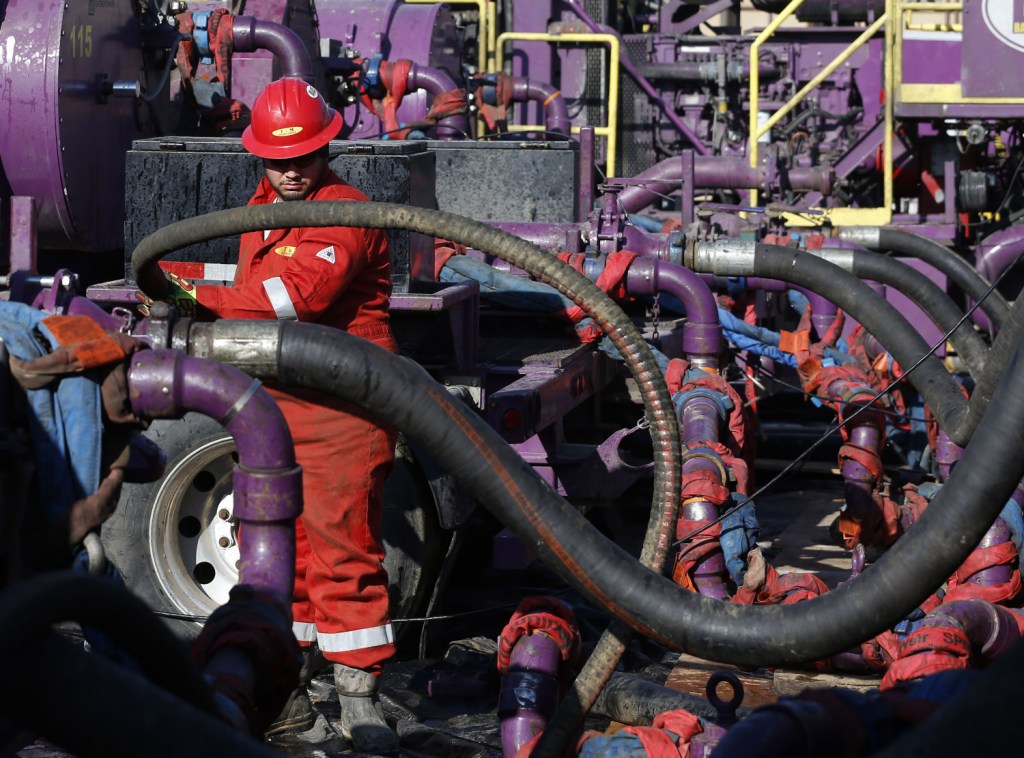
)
(959, 271)
(32, 606)
(93, 708)
(402, 394)
(955, 415)
(929, 297)
(526, 256)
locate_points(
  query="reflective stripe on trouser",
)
(340, 584)
(279, 299)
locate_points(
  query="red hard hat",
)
(289, 119)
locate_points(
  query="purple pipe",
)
(267, 483)
(947, 453)
(996, 253)
(699, 422)
(991, 629)
(997, 534)
(624, 60)
(556, 114)
(711, 172)
(437, 82)
(702, 334)
(252, 34)
(529, 691)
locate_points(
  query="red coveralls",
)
(338, 277)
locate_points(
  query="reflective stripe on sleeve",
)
(358, 639)
(280, 300)
(304, 631)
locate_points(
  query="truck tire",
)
(174, 540)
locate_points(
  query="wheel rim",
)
(193, 531)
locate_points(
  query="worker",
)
(337, 277)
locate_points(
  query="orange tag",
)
(794, 342)
(86, 341)
(70, 330)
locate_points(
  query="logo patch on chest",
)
(327, 254)
(286, 250)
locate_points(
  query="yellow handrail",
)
(608, 130)
(755, 79)
(839, 60)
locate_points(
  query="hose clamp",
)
(723, 257)
(867, 236)
(837, 256)
(706, 454)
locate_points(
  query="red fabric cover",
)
(781, 589)
(394, 75)
(450, 103)
(738, 448)
(929, 650)
(958, 586)
(656, 740)
(546, 615)
(496, 114)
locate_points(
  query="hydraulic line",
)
(940, 391)
(959, 271)
(620, 329)
(921, 290)
(402, 394)
(32, 606)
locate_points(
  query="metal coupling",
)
(248, 345)
(835, 255)
(721, 257)
(866, 236)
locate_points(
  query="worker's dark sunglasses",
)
(300, 162)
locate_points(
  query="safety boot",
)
(362, 718)
(297, 715)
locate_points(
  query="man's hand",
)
(181, 295)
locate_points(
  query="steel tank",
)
(68, 73)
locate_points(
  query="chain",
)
(656, 320)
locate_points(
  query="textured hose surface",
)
(402, 394)
(930, 298)
(959, 271)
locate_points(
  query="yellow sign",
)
(286, 250)
(286, 131)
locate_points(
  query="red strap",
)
(547, 615)
(866, 457)
(610, 280)
(657, 743)
(443, 250)
(929, 650)
(450, 103)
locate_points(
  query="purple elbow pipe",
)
(556, 114)
(529, 691)
(699, 422)
(991, 629)
(996, 253)
(252, 34)
(437, 82)
(702, 334)
(267, 483)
